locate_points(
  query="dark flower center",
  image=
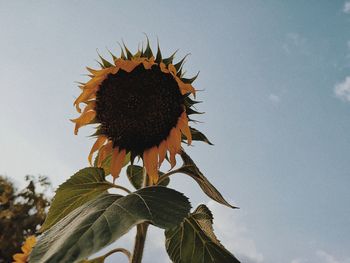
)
(137, 110)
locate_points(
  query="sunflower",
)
(26, 249)
(141, 104)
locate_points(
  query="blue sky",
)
(276, 97)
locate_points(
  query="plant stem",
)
(122, 250)
(141, 231)
(139, 242)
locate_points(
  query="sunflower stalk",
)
(140, 240)
(141, 232)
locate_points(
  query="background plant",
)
(21, 213)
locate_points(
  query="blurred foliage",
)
(21, 213)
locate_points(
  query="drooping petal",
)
(185, 129)
(118, 158)
(104, 151)
(174, 145)
(20, 258)
(90, 106)
(84, 119)
(86, 95)
(150, 158)
(97, 146)
(162, 149)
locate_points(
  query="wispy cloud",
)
(234, 234)
(342, 89)
(321, 256)
(274, 98)
(346, 8)
(294, 41)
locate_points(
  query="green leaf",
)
(191, 169)
(198, 136)
(194, 240)
(76, 191)
(148, 52)
(105, 63)
(190, 81)
(103, 220)
(106, 163)
(159, 54)
(170, 59)
(135, 176)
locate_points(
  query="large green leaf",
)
(191, 169)
(105, 219)
(135, 175)
(194, 240)
(77, 190)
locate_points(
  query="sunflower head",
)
(140, 104)
(26, 249)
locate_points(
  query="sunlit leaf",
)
(76, 191)
(103, 220)
(194, 240)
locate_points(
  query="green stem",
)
(139, 242)
(122, 250)
(141, 231)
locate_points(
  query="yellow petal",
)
(86, 95)
(20, 258)
(104, 151)
(150, 158)
(94, 83)
(97, 146)
(162, 149)
(147, 64)
(172, 69)
(185, 87)
(174, 145)
(126, 65)
(163, 68)
(84, 119)
(117, 162)
(183, 125)
(90, 106)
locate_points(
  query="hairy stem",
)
(139, 242)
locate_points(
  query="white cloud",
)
(321, 256)
(325, 257)
(346, 8)
(294, 41)
(298, 260)
(233, 234)
(342, 89)
(274, 98)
